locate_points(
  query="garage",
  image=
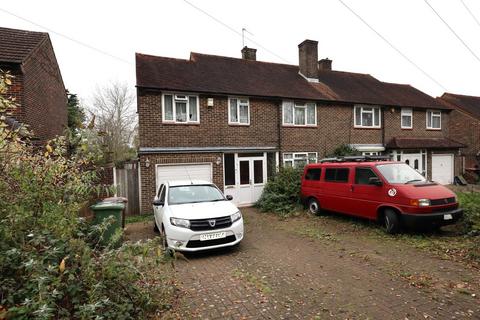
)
(190, 171)
(442, 168)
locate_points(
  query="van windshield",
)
(400, 173)
(193, 194)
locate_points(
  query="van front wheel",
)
(314, 206)
(391, 222)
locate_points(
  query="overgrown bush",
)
(51, 263)
(282, 193)
(344, 150)
(470, 202)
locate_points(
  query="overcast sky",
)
(173, 28)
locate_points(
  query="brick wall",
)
(16, 89)
(147, 175)
(465, 128)
(213, 129)
(44, 98)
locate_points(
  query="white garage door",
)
(197, 171)
(442, 168)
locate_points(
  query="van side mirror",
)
(229, 197)
(158, 203)
(375, 181)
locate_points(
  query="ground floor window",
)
(299, 159)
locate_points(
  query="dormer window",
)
(299, 114)
(180, 108)
(367, 117)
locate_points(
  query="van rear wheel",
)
(314, 206)
(391, 222)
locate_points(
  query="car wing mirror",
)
(229, 197)
(158, 203)
(375, 181)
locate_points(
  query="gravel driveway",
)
(312, 268)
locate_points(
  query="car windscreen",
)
(400, 173)
(193, 194)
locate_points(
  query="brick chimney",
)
(249, 53)
(325, 64)
(308, 59)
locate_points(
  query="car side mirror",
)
(375, 181)
(158, 202)
(229, 197)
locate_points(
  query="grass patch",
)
(315, 233)
(139, 218)
(258, 282)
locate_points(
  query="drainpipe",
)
(280, 120)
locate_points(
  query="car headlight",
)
(184, 223)
(236, 216)
(420, 202)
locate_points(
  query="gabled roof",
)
(417, 143)
(224, 75)
(17, 45)
(470, 104)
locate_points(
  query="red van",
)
(376, 188)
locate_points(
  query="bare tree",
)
(115, 117)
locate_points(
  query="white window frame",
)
(303, 105)
(371, 153)
(357, 125)
(432, 114)
(405, 113)
(296, 155)
(174, 98)
(239, 101)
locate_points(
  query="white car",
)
(195, 215)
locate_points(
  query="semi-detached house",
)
(235, 121)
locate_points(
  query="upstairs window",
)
(367, 117)
(299, 114)
(299, 159)
(434, 119)
(180, 108)
(238, 111)
(407, 118)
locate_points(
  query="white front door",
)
(414, 160)
(442, 168)
(250, 179)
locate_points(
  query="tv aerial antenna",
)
(243, 36)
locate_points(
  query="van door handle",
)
(351, 188)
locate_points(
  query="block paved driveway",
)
(308, 268)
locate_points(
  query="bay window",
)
(299, 114)
(180, 108)
(367, 117)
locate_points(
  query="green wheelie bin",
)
(102, 211)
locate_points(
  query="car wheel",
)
(391, 222)
(314, 206)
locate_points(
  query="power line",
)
(235, 31)
(453, 31)
(471, 13)
(67, 37)
(393, 47)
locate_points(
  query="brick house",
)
(38, 86)
(465, 124)
(234, 121)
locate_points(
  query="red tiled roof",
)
(470, 104)
(422, 143)
(216, 74)
(16, 45)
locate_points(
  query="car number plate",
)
(447, 217)
(212, 236)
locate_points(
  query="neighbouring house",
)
(235, 121)
(38, 86)
(465, 125)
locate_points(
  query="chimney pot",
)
(249, 53)
(325, 64)
(308, 59)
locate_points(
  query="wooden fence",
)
(126, 181)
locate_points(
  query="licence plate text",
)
(212, 236)
(447, 217)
